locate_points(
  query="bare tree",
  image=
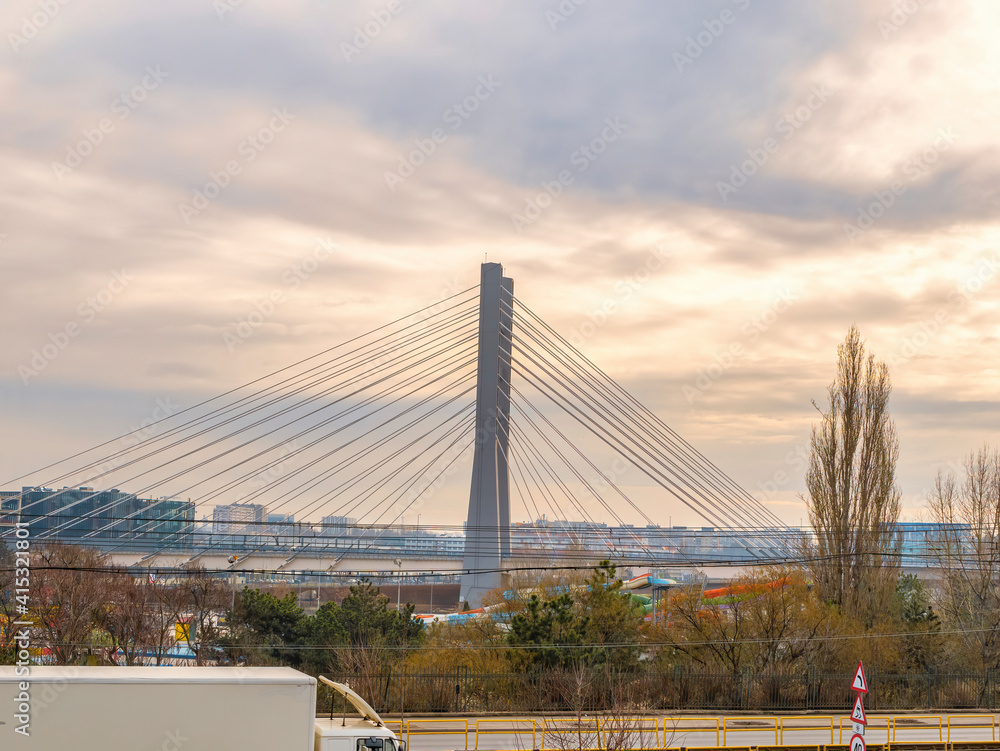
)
(968, 553)
(768, 621)
(200, 598)
(125, 615)
(162, 618)
(137, 617)
(853, 498)
(8, 602)
(68, 586)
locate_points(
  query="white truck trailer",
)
(180, 708)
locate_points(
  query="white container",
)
(158, 709)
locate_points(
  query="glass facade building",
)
(96, 516)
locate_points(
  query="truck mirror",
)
(373, 743)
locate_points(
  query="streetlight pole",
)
(399, 580)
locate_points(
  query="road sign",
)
(858, 713)
(857, 729)
(857, 743)
(860, 683)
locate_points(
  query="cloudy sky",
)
(736, 181)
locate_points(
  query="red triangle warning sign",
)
(860, 683)
(858, 713)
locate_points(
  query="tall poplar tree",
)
(853, 498)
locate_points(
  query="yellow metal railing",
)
(973, 745)
(765, 725)
(459, 727)
(987, 721)
(924, 726)
(874, 723)
(584, 731)
(622, 732)
(812, 722)
(674, 725)
(649, 733)
(511, 726)
(929, 745)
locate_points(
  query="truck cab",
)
(351, 732)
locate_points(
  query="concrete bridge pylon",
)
(487, 533)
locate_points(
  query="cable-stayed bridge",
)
(320, 463)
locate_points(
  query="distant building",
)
(95, 516)
(339, 526)
(922, 542)
(281, 529)
(239, 519)
(170, 521)
(10, 508)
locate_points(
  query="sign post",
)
(859, 720)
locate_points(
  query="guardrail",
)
(873, 724)
(459, 727)
(914, 746)
(813, 723)
(973, 726)
(561, 727)
(625, 732)
(651, 733)
(907, 719)
(484, 727)
(691, 725)
(769, 723)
